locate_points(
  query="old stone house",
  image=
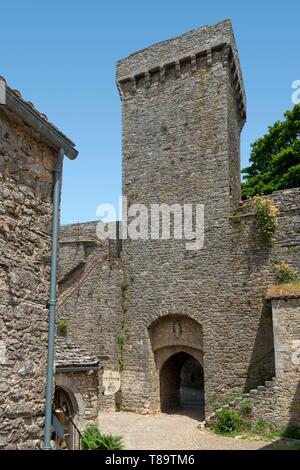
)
(29, 146)
(158, 314)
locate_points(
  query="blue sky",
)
(61, 55)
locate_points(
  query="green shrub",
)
(291, 433)
(266, 215)
(62, 326)
(124, 286)
(270, 432)
(227, 422)
(284, 273)
(93, 439)
(267, 430)
(219, 404)
(261, 425)
(246, 407)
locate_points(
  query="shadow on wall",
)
(288, 440)
(262, 362)
(295, 408)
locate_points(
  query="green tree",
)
(275, 158)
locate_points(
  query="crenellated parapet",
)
(202, 49)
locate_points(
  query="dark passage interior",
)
(182, 385)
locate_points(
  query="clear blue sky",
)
(61, 55)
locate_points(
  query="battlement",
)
(182, 56)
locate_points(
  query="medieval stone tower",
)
(183, 108)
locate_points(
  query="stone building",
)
(29, 146)
(76, 391)
(156, 312)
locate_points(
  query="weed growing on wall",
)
(62, 326)
(284, 273)
(266, 216)
(121, 335)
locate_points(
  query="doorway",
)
(66, 435)
(182, 385)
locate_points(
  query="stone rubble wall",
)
(278, 401)
(236, 320)
(93, 311)
(26, 174)
(99, 306)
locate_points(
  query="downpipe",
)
(52, 300)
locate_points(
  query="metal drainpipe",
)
(52, 300)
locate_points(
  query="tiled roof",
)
(28, 105)
(282, 291)
(68, 354)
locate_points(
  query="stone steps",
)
(260, 390)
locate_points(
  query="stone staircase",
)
(254, 396)
(68, 293)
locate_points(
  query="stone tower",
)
(183, 108)
(183, 111)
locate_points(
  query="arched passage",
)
(65, 432)
(178, 358)
(182, 385)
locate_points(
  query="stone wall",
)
(286, 325)
(26, 169)
(277, 401)
(94, 309)
(90, 277)
(183, 107)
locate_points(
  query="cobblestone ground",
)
(168, 431)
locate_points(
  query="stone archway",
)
(182, 385)
(177, 345)
(65, 434)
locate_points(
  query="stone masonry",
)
(144, 308)
(277, 401)
(26, 181)
(183, 108)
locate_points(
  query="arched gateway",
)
(177, 345)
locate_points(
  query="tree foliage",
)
(275, 158)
